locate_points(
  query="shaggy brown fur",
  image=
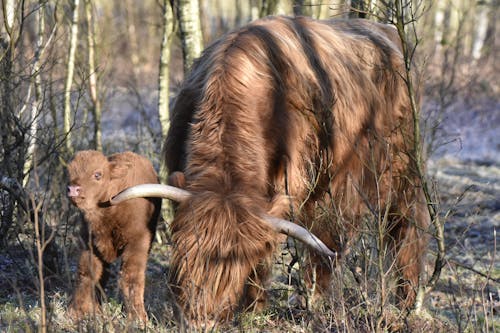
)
(110, 232)
(281, 117)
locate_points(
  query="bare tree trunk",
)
(188, 13)
(254, 9)
(93, 84)
(388, 8)
(303, 7)
(490, 45)
(357, 9)
(11, 150)
(6, 103)
(442, 25)
(371, 5)
(132, 38)
(268, 7)
(373, 8)
(70, 67)
(37, 84)
(206, 20)
(241, 17)
(480, 31)
(164, 72)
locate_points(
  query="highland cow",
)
(110, 232)
(296, 119)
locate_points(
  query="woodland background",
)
(96, 74)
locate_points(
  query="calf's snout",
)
(74, 191)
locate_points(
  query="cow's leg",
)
(90, 271)
(318, 274)
(132, 280)
(255, 296)
(318, 271)
(408, 240)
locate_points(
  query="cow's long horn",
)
(300, 233)
(174, 193)
(151, 190)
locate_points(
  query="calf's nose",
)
(73, 191)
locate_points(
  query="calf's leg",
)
(90, 271)
(132, 280)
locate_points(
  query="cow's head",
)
(215, 249)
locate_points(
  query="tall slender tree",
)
(489, 44)
(169, 28)
(302, 7)
(268, 7)
(188, 13)
(133, 47)
(70, 69)
(93, 82)
(37, 85)
(357, 8)
(479, 36)
(10, 133)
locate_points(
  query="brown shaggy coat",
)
(301, 119)
(110, 232)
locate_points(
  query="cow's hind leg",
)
(90, 272)
(132, 280)
(408, 240)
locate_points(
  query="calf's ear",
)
(118, 170)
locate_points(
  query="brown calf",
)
(111, 232)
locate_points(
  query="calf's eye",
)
(98, 175)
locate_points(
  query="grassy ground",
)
(468, 293)
(466, 299)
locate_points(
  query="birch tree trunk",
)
(7, 125)
(268, 7)
(490, 45)
(37, 84)
(93, 84)
(480, 31)
(190, 27)
(164, 72)
(70, 68)
(441, 24)
(357, 9)
(303, 7)
(10, 134)
(132, 38)
(254, 9)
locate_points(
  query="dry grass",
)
(462, 301)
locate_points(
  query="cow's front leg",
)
(255, 295)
